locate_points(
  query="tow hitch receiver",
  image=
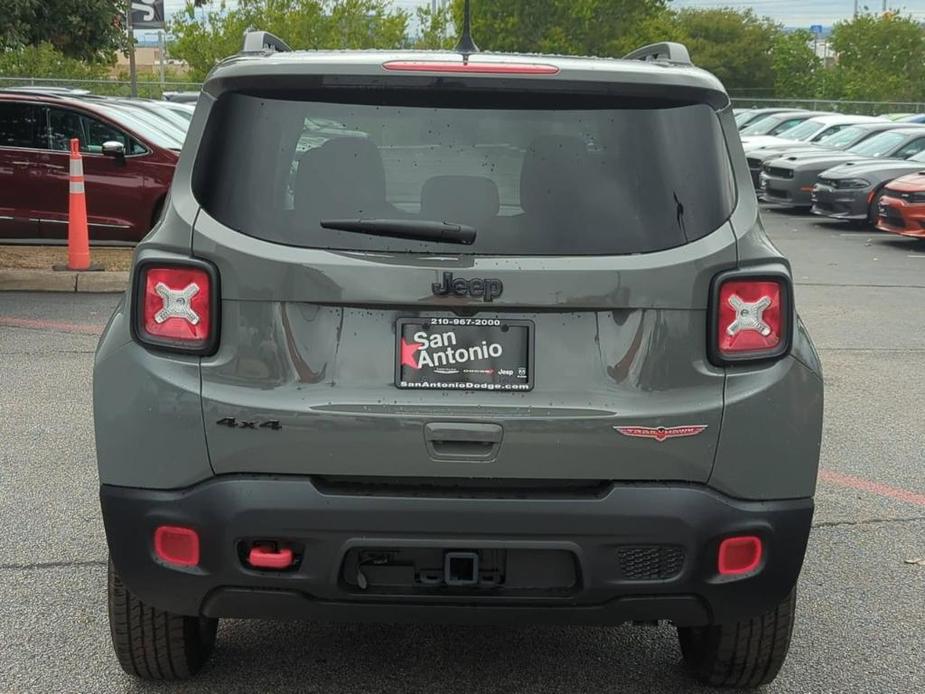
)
(461, 568)
(434, 570)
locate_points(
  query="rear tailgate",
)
(597, 291)
(615, 343)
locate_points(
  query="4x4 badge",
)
(662, 433)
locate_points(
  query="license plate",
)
(464, 354)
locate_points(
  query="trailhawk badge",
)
(662, 433)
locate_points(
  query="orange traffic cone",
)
(78, 238)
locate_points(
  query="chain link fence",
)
(863, 108)
(147, 87)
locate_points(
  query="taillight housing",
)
(175, 305)
(176, 545)
(751, 317)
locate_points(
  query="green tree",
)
(304, 24)
(89, 30)
(577, 27)
(435, 29)
(44, 60)
(879, 57)
(735, 46)
(797, 68)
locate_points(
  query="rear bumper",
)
(229, 511)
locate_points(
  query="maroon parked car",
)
(129, 158)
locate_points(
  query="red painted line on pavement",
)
(859, 483)
(55, 326)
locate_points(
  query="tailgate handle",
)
(462, 441)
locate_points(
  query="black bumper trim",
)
(254, 603)
(226, 510)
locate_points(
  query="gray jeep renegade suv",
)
(459, 338)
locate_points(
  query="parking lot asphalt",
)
(861, 618)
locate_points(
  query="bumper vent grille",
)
(650, 562)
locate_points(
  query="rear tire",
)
(153, 644)
(749, 653)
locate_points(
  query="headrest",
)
(471, 200)
(553, 169)
(344, 177)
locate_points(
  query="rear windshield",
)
(805, 130)
(878, 145)
(844, 138)
(766, 125)
(531, 181)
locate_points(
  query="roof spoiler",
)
(262, 42)
(667, 51)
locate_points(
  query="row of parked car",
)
(129, 147)
(863, 169)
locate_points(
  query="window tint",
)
(878, 145)
(531, 180)
(64, 124)
(805, 130)
(822, 134)
(21, 125)
(842, 138)
(743, 117)
(764, 126)
(913, 147)
(785, 126)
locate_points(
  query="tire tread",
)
(152, 644)
(748, 654)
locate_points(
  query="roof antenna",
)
(466, 45)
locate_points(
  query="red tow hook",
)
(267, 556)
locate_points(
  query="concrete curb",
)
(50, 281)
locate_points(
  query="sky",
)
(792, 13)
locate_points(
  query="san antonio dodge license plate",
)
(464, 354)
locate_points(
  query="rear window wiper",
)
(419, 229)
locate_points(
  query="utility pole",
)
(133, 74)
(855, 9)
(162, 50)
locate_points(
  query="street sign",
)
(816, 28)
(147, 14)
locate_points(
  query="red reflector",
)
(176, 304)
(470, 67)
(268, 557)
(176, 545)
(749, 316)
(739, 555)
